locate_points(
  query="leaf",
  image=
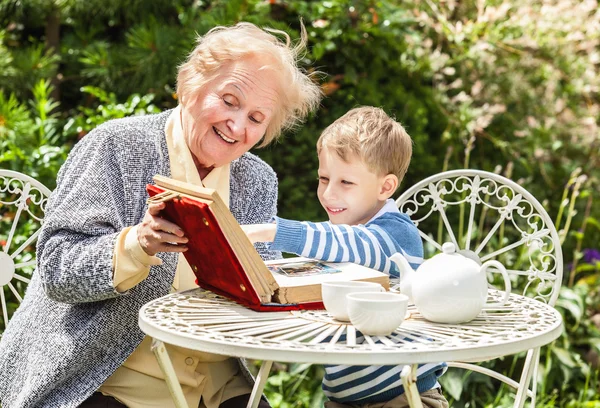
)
(564, 356)
(318, 50)
(278, 379)
(452, 383)
(587, 267)
(593, 221)
(575, 309)
(318, 399)
(595, 342)
(569, 294)
(299, 368)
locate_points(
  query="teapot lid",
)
(450, 258)
(448, 248)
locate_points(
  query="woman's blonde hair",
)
(298, 93)
(375, 138)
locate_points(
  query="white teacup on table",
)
(376, 314)
(334, 295)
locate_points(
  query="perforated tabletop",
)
(200, 320)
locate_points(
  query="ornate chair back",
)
(22, 206)
(488, 216)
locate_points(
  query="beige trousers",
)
(430, 399)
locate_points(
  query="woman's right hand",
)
(159, 235)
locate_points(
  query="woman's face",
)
(230, 114)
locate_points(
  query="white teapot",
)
(449, 287)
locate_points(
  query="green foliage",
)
(30, 134)
(32, 64)
(504, 86)
(6, 69)
(108, 108)
(295, 386)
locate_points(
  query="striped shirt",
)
(371, 245)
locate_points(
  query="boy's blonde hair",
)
(370, 134)
(298, 93)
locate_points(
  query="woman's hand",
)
(158, 235)
(260, 232)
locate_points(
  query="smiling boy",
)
(363, 156)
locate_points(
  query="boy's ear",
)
(388, 186)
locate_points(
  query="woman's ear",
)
(388, 186)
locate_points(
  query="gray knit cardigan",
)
(73, 330)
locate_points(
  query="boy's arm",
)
(369, 245)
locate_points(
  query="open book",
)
(225, 261)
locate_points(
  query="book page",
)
(298, 272)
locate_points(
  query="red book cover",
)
(211, 256)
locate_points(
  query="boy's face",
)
(350, 193)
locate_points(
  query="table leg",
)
(409, 381)
(259, 384)
(530, 367)
(158, 347)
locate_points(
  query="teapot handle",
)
(507, 287)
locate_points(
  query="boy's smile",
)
(335, 210)
(350, 192)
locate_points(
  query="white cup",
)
(377, 314)
(334, 295)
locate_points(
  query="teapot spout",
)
(406, 273)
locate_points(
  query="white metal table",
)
(200, 320)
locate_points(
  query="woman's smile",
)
(223, 137)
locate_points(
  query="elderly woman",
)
(103, 253)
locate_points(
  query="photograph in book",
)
(303, 268)
(225, 261)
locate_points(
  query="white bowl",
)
(376, 314)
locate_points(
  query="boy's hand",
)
(260, 232)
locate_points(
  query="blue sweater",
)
(388, 232)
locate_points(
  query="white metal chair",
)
(488, 217)
(22, 205)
